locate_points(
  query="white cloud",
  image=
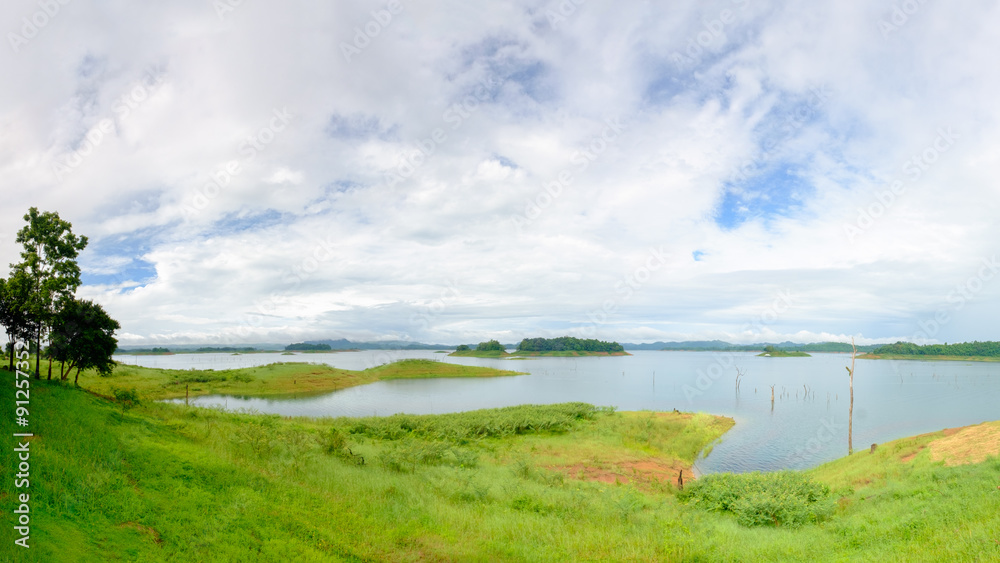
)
(214, 219)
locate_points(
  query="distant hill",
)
(344, 344)
(722, 346)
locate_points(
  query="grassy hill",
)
(165, 482)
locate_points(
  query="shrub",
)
(784, 498)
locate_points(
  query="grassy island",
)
(272, 379)
(772, 352)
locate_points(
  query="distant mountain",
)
(722, 346)
(344, 344)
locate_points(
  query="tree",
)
(49, 262)
(83, 336)
(850, 412)
(490, 346)
(15, 297)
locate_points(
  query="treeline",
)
(965, 349)
(38, 302)
(568, 344)
(304, 347)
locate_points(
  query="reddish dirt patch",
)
(645, 474)
(909, 457)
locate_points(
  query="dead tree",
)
(850, 412)
(680, 480)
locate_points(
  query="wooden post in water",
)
(186, 395)
(850, 412)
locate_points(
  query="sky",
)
(741, 170)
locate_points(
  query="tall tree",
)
(48, 259)
(83, 336)
(15, 299)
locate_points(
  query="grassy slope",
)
(166, 482)
(273, 379)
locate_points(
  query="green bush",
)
(784, 498)
(467, 426)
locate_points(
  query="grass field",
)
(165, 482)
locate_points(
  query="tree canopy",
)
(965, 349)
(48, 262)
(15, 313)
(83, 337)
(304, 347)
(568, 343)
(490, 346)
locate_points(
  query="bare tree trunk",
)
(850, 412)
(50, 367)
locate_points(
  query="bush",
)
(784, 498)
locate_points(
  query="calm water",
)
(893, 399)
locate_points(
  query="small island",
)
(565, 346)
(772, 352)
(569, 346)
(489, 349)
(966, 351)
(306, 347)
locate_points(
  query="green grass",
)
(165, 482)
(479, 354)
(270, 380)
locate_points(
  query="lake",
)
(806, 426)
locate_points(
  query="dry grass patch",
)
(972, 444)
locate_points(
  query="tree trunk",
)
(76, 380)
(850, 412)
(13, 349)
(50, 367)
(38, 353)
(62, 371)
